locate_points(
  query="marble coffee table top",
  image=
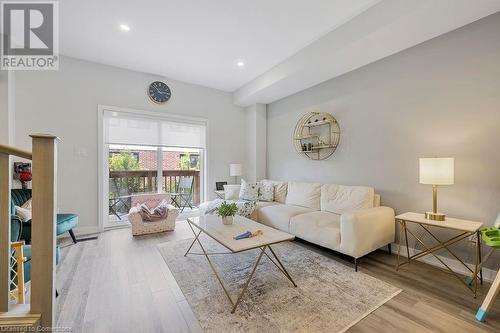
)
(212, 226)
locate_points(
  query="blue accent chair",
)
(65, 222)
(15, 236)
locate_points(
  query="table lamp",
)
(235, 170)
(436, 171)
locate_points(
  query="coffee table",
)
(212, 226)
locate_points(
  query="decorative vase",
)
(227, 220)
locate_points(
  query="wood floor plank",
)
(121, 283)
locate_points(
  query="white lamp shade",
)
(235, 170)
(437, 171)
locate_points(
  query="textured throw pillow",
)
(266, 191)
(280, 190)
(23, 213)
(249, 191)
(232, 192)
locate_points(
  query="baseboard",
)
(488, 274)
(82, 231)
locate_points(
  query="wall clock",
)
(159, 92)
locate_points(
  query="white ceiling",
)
(287, 45)
(198, 41)
(384, 29)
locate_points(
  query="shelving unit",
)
(319, 133)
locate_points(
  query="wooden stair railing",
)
(40, 312)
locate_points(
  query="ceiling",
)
(286, 45)
(198, 41)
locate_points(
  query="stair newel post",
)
(4, 231)
(44, 209)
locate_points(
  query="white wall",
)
(440, 98)
(4, 109)
(256, 140)
(65, 103)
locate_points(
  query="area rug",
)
(329, 297)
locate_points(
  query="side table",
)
(465, 229)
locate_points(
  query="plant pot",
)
(227, 220)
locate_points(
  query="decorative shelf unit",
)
(319, 132)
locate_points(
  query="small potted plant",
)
(226, 211)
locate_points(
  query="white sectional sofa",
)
(347, 219)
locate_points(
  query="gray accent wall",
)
(438, 99)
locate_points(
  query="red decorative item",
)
(25, 177)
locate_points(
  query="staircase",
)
(40, 312)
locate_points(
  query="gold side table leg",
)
(406, 242)
(480, 257)
(400, 240)
(478, 245)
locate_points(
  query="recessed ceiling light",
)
(240, 64)
(124, 27)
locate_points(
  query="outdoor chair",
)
(121, 201)
(183, 195)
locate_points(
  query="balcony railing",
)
(144, 181)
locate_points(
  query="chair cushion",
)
(322, 228)
(66, 222)
(278, 216)
(341, 199)
(27, 264)
(260, 204)
(304, 194)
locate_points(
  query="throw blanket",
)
(245, 208)
(158, 213)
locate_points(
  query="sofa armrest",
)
(134, 216)
(366, 230)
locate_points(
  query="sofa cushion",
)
(261, 204)
(341, 199)
(322, 228)
(66, 222)
(278, 216)
(304, 194)
(280, 190)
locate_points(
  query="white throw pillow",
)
(304, 194)
(232, 192)
(27, 204)
(266, 191)
(341, 199)
(23, 213)
(249, 191)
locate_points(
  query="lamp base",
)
(435, 216)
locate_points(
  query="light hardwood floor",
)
(121, 284)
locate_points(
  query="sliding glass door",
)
(147, 155)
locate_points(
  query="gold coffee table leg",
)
(248, 279)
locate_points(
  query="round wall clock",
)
(159, 92)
